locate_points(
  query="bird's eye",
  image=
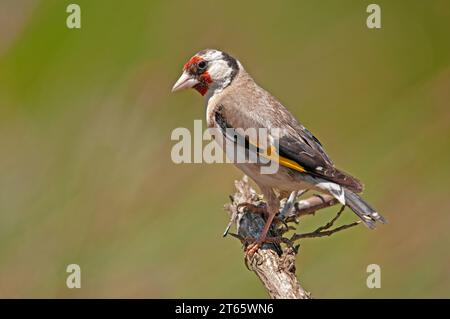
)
(202, 65)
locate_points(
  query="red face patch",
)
(195, 59)
(205, 80)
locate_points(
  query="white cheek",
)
(219, 71)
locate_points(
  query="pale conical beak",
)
(184, 82)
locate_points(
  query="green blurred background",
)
(85, 123)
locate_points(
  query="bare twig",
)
(311, 205)
(325, 230)
(315, 234)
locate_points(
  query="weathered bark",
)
(277, 273)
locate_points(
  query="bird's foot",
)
(253, 248)
(253, 244)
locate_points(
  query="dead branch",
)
(325, 230)
(316, 234)
(274, 264)
(311, 205)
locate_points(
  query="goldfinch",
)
(234, 100)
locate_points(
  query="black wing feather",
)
(307, 151)
(314, 163)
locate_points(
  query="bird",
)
(234, 100)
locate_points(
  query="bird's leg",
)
(253, 248)
(273, 205)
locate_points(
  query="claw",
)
(252, 248)
(254, 245)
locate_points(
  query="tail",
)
(367, 214)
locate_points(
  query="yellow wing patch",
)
(269, 153)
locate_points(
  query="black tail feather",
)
(364, 211)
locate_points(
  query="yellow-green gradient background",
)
(86, 116)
